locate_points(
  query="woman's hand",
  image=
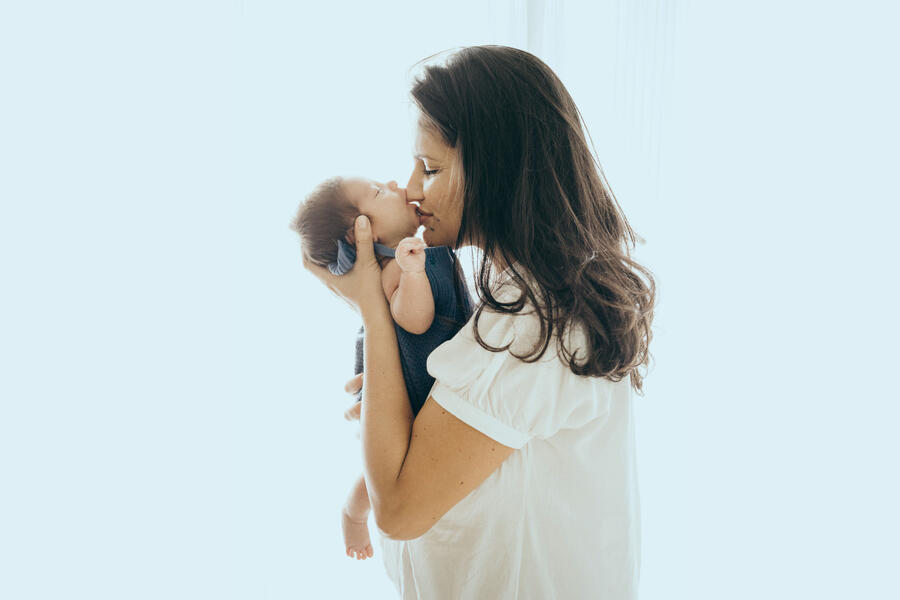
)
(352, 413)
(362, 284)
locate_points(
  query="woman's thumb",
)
(364, 248)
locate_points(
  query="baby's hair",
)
(326, 216)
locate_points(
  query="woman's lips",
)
(421, 213)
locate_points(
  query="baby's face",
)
(385, 205)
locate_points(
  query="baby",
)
(424, 286)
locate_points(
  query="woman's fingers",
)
(351, 387)
(326, 277)
(365, 251)
(352, 413)
(321, 273)
(354, 385)
(315, 269)
(363, 282)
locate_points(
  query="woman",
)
(517, 479)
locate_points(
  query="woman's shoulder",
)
(499, 389)
(523, 329)
(518, 334)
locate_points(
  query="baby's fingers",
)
(412, 242)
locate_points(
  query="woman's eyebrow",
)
(421, 156)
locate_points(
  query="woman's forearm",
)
(386, 415)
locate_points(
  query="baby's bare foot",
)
(356, 536)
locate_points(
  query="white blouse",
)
(560, 518)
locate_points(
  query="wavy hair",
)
(536, 199)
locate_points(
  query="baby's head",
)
(330, 210)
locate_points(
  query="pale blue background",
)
(170, 393)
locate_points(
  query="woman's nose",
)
(414, 187)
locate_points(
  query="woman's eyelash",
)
(430, 172)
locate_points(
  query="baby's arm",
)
(407, 289)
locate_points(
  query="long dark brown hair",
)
(535, 198)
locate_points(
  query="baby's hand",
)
(410, 255)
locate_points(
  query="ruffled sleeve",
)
(506, 398)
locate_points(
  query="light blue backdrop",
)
(170, 393)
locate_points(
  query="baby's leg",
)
(355, 521)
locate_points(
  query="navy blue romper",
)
(452, 308)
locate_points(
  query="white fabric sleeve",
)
(504, 397)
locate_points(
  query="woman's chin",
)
(431, 240)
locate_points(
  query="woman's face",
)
(436, 184)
